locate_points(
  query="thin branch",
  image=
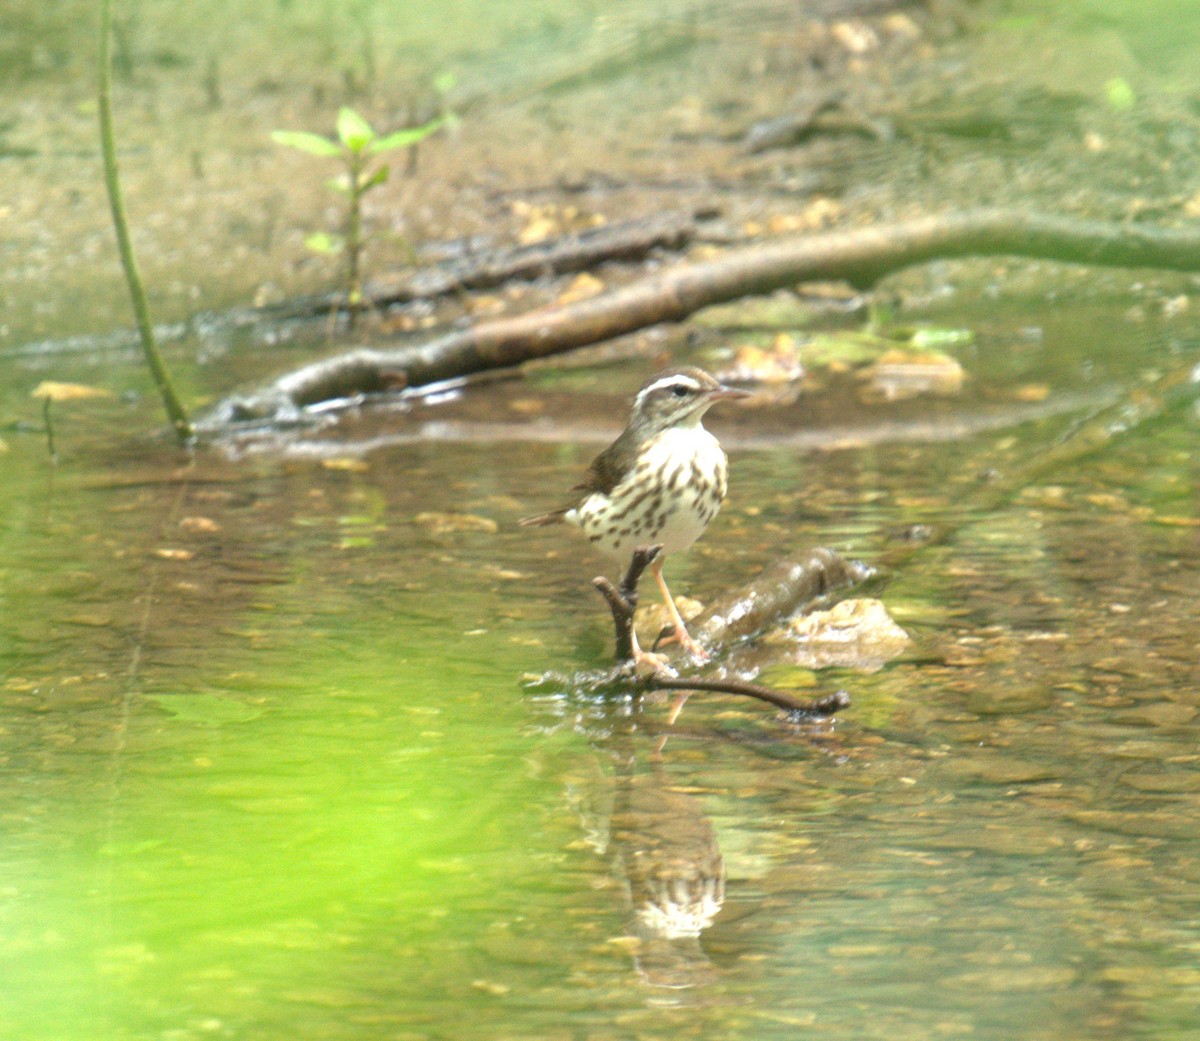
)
(176, 413)
(623, 602)
(797, 710)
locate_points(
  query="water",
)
(271, 769)
(269, 764)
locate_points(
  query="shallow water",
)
(270, 763)
(271, 769)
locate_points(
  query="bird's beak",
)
(724, 393)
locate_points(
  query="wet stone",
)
(1000, 841)
(985, 769)
(1014, 700)
(503, 947)
(1158, 714)
(1005, 980)
(1164, 781)
(1157, 824)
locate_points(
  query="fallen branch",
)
(861, 256)
(782, 588)
(627, 241)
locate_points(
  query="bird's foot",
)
(681, 636)
(677, 704)
(650, 663)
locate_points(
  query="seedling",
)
(358, 147)
(49, 392)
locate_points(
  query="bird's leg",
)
(681, 634)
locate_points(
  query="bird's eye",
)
(679, 390)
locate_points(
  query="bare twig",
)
(623, 602)
(797, 710)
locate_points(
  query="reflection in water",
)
(664, 850)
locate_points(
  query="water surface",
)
(270, 766)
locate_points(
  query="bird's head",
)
(677, 398)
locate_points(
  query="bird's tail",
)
(540, 520)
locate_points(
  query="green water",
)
(283, 763)
(269, 764)
(270, 769)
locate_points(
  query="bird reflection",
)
(665, 849)
(662, 848)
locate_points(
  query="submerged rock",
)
(856, 634)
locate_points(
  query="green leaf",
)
(371, 180)
(313, 144)
(1119, 94)
(405, 138)
(932, 337)
(339, 184)
(354, 131)
(319, 242)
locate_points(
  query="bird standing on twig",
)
(661, 482)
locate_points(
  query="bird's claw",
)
(684, 639)
(648, 663)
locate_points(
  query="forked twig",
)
(623, 603)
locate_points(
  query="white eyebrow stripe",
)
(668, 381)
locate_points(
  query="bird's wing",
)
(609, 466)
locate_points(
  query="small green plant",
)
(358, 147)
(49, 392)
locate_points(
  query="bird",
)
(661, 482)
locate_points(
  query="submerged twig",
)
(796, 710)
(46, 403)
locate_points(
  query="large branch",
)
(861, 256)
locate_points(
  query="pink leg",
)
(681, 633)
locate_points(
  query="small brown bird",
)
(661, 481)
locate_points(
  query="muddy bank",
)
(841, 114)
